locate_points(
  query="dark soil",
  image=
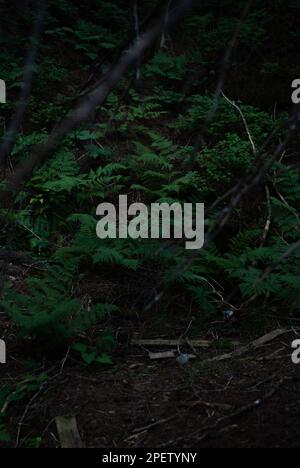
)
(246, 401)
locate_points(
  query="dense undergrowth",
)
(141, 143)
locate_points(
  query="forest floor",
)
(250, 399)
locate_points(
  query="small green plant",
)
(97, 354)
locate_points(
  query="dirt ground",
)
(247, 400)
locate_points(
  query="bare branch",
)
(137, 32)
(10, 136)
(91, 102)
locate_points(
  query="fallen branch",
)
(159, 342)
(240, 411)
(193, 404)
(203, 433)
(168, 355)
(251, 346)
(155, 424)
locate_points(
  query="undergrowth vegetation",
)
(141, 143)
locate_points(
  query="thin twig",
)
(20, 424)
(234, 104)
(269, 219)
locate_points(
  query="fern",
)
(48, 312)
